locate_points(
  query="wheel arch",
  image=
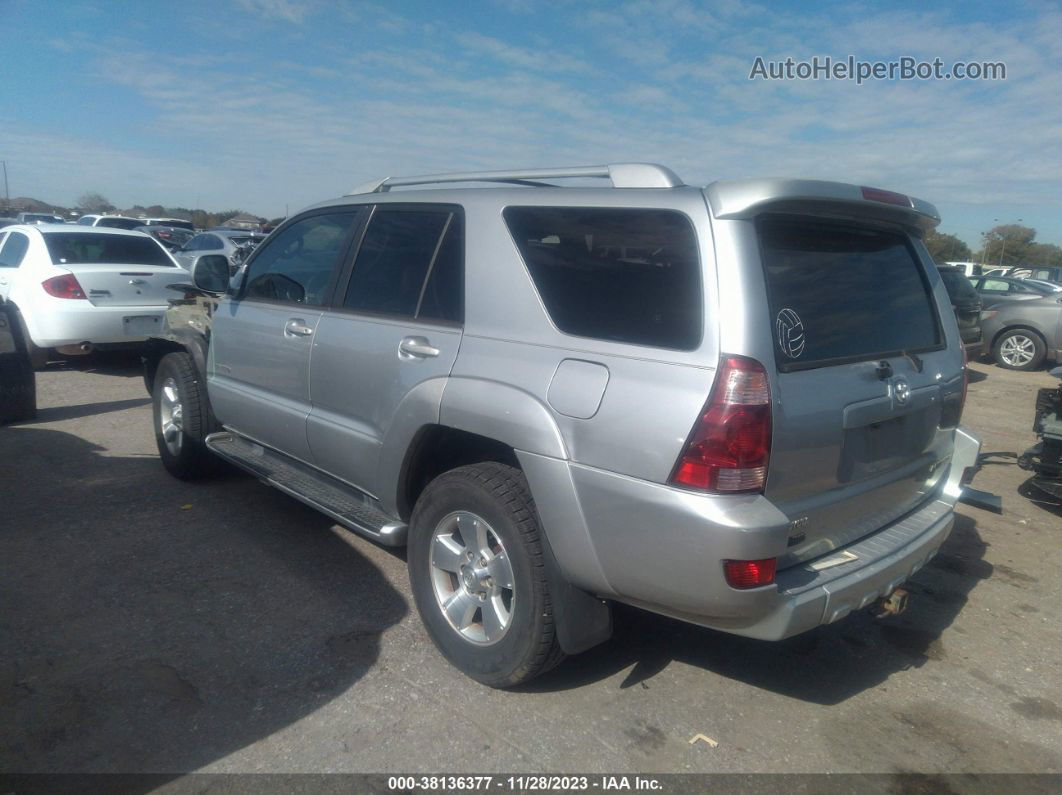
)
(1032, 329)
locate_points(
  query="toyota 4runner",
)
(736, 405)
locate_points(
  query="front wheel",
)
(182, 418)
(477, 574)
(1019, 349)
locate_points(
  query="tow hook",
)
(891, 605)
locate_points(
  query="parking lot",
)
(150, 625)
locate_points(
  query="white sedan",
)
(78, 287)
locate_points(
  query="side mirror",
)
(211, 273)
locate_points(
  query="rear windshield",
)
(843, 293)
(174, 223)
(960, 289)
(120, 223)
(82, 248)
(628, 275)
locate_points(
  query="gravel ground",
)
(150, 625)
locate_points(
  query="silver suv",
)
(736, 405)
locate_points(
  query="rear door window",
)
(842, 293)
(409, 264)
(13, 250)
(621, 274)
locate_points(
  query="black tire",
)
(500, 495)
(1008, 347)
(177, 383)
(18, 384)
(38, 356)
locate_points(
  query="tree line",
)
(93, 202)
(1004, 245)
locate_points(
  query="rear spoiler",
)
(747, 198)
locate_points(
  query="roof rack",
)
(622, 175)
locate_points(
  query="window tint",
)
(211, 243)
(843, 293)
(297, 264)
(86, 220)
(629, 275)
(399, 249)
(994, 285)
(120, 223)
(84, 248)
(13, 250)
(443, 296)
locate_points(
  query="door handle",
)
(296, 327)
(416, 347)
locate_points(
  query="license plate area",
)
(141, 325)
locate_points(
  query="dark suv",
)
(967, 305)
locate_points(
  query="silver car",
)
(705, 402)
(234, 244)
(1022, 334)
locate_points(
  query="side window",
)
(297, 264)
(994, 285)
(622, 274)
(13, 250)
(211, 243)
(195, 244)
(400, 251)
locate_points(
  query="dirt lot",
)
(153, 625)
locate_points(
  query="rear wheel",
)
(1019, 349)
(38, 356)
(182, 418)
(476, 570)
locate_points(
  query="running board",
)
(350, 507)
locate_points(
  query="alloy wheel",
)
(472, 578)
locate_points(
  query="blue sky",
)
(267, 104)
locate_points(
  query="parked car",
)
(76, 288)
(39, 218)
(1001, 289)
(1022, 334)
(177, 223)
(7, 222)
(558, 398)
(1049, 274)
(235, 244)
(172, 237)
(1052, 287)
(110, 221)
(966, 304)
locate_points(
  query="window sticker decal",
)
(790, 332)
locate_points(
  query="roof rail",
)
(622, 175)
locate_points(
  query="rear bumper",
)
(64, 322)
(662, 549)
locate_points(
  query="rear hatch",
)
(864, 380)
(116, 269)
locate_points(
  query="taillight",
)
(749, 573)
(727, 450)
(65, 286)
(886, 196)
